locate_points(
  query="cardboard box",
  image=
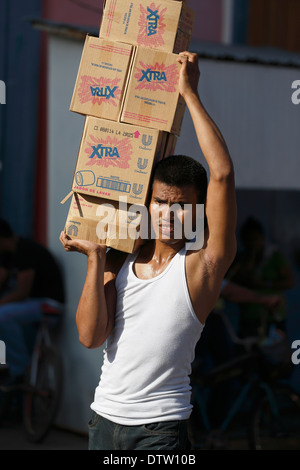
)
(117, 159)
(106, 222)
(166, 25)
(170, 145)
(152, 97)
(102, 78)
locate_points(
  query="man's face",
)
(173, 211)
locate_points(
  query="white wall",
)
(81, 366)
(252, 106)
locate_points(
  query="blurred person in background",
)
(262, 267)
(29, 278)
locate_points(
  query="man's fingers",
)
(187, 56)
(183, 58)
(189, 63)
(66, 241)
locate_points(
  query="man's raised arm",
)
(220, 203)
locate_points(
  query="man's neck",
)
(160, 251)
(154, 257)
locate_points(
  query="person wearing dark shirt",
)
(29, 278)
(262, 267)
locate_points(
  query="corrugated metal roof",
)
(236, 53)
(214, 51)
(63, 29)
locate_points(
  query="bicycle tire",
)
(42, 400)
(270, 432)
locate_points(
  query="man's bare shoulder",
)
(114, 261)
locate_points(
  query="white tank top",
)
(148, 355)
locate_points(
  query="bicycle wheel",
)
(275, 423)
(42, 398)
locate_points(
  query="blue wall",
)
(19, 69)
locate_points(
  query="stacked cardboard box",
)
(127, 87)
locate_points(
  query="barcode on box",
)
(113, 185)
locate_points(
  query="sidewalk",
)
(12, 438)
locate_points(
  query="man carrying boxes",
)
(128, 90)
(147, 297)
(150, 307)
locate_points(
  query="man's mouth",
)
(166, 229)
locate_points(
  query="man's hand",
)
(82, 246)
(189, 73)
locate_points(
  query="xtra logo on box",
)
(99, 90)
(151, 26)
(157, 77)
(109, 152)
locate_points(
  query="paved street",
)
(12, 438)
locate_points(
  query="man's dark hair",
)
(5, 229)
(181, 170)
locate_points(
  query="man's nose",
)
(167, 212)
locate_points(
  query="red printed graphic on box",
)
(151, 26)
(99, 90)
(157, 77)
(109, 152)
